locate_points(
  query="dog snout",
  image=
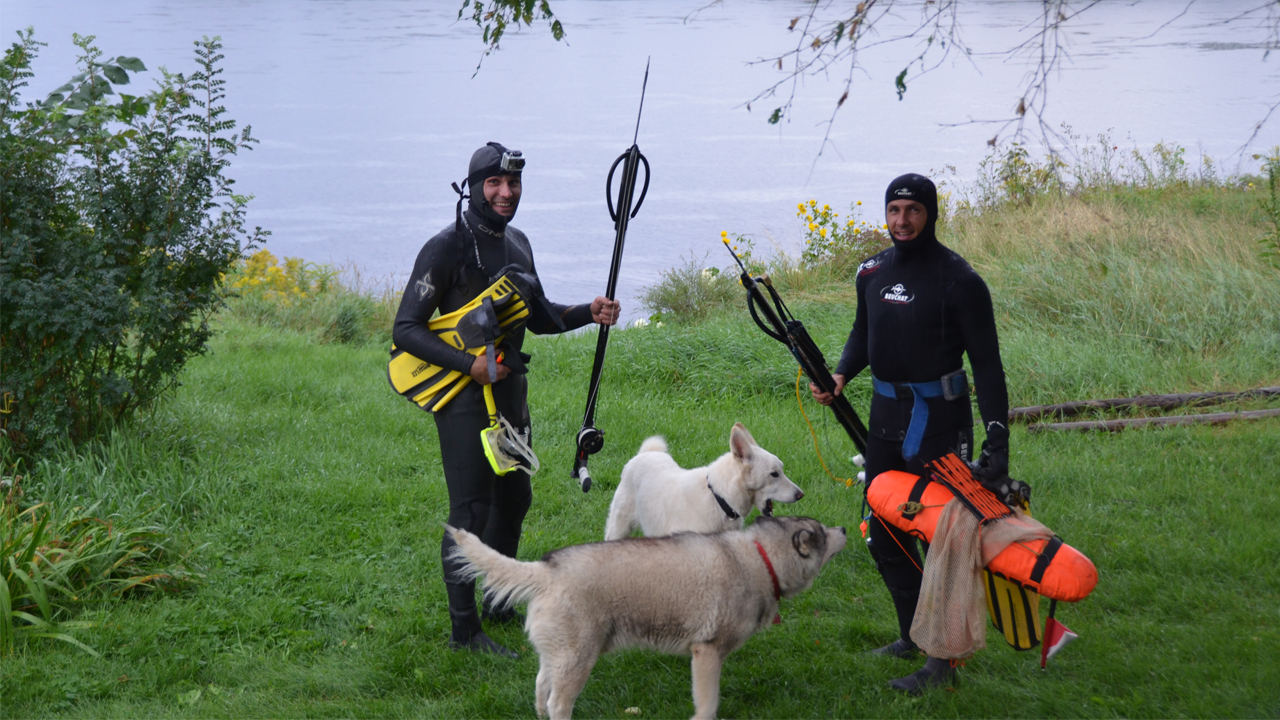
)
(799, 494)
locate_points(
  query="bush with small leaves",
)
(118, 225)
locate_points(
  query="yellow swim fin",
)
(431, 386)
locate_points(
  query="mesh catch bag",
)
(950, 619)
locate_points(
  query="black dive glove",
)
(992, 468)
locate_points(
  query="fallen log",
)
(1163, 402)
(1115, 425)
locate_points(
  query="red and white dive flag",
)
(1056, 637)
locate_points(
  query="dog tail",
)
(654, 444)
(507, 581)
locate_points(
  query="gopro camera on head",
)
(512, 161)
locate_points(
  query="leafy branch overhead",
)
(832, 34)
(494, 17)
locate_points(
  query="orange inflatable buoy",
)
(1048, 567)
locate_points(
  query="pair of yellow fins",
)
(476, 328)
(1014, 610)
(431, 387)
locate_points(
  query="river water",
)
(368, 109)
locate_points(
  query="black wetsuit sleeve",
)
(855, 357)
(432, 272)
(978, 326)
(573, 317)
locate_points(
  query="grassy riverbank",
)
(309, 499)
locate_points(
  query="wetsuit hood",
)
(490, 161)
(922, 190)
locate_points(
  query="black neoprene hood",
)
(486, 163)
(922, 190)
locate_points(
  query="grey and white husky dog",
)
(689, 593)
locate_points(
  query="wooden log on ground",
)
(1115, 425)
(1163, 402)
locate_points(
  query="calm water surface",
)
(367, 110)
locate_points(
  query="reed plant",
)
(1270, 204)
(58, 561)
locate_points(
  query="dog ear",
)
(802, 541)
(741, 442)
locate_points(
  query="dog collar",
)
(777, 589)
(733, 515)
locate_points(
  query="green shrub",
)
(689, 292)
(118, 225)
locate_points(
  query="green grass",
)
(310, 498)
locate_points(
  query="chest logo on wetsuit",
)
(896, 294)
(867, 266)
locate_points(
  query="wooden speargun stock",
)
(591, 438)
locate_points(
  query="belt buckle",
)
(953, 390)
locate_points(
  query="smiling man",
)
(920, 308)
(453, 268)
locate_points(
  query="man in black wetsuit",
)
(452, 269)
(920, 306)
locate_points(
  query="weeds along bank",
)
(1114, 285)
(1128, 291)
(1112, 291)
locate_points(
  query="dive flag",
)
(1056, 637)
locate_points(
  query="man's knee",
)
(471, 516)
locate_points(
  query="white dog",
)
(660, 497)
(692, 594)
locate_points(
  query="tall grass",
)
(1123, 271)
(1162, 289)
(59, 559)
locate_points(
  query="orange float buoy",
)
(1051, 567)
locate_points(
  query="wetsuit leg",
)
(512, 493)
(894, 551)
(470, 481)
(512, 496)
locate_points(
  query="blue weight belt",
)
(919, 409)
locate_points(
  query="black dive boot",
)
(901, 649)
(467, 634)
(935, 673)
(501, 617)
(904, 604)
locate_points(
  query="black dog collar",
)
(721, 502)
